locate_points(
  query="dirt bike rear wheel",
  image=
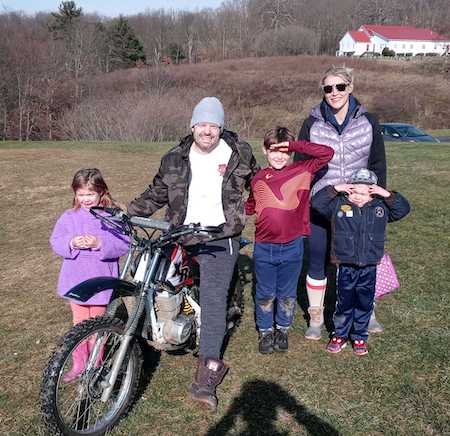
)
(76, 408)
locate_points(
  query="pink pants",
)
(80, 313)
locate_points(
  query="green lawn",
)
(401, 388)
(439, 132)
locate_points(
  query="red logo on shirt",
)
(222, 168)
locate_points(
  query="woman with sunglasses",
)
(344, 124)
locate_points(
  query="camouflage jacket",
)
(170, 186)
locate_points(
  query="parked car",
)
(405, 133)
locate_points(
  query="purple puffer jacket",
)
(360, 145)
(80, 265)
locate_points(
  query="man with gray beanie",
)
(202, 180)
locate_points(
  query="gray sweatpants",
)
(217, 260)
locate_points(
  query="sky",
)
(109, 8)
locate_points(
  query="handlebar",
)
(119, 219)
(150, 223)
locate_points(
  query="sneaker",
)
(360, 347)
(314, 331)
(266, 342)
(336, 344)
(281, 340)
(375, 326)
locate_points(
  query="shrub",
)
(388, 52)
(289, 40)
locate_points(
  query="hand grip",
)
(150, 223)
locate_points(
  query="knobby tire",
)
(88, 387)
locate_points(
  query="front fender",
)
(87, 289)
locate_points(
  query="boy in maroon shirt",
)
(280, 199)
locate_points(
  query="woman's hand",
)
(378, 190)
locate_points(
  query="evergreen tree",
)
(65, 20)
(125, 48)
(65, 26)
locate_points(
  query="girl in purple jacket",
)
(89, 249)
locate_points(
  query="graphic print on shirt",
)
(289, 198)
(222, 168)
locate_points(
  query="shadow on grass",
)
(152, 358)
(257, 408)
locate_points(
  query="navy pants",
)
(355, 297)
(277, 271)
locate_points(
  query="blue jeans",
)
(277, 271)
(355, 297)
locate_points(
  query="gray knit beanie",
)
(208, 110)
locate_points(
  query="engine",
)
(175, 322)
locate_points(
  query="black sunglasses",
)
(328, 89)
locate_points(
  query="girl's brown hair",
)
(91, 178)
(276, 135)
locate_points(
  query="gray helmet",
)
(364, 176)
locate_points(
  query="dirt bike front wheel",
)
(75, 407)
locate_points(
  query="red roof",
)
(359, 36)
(402, 32)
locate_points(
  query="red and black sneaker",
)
(360, 347)
(336, 344)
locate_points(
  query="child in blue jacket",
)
(359, 212)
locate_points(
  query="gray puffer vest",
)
(351, 148)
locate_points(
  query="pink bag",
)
(387, 279)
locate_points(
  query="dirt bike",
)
(155, 302)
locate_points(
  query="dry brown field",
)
(402, 388)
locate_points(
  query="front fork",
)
(130, 331)
(131, 327)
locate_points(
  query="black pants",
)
(217, 260)
(318, 246)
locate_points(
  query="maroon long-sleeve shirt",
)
(280, 198)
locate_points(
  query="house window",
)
(411, 46)
(424, 46)
(403, 45)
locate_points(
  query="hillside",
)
(155, 103)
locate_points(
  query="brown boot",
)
(210, 373)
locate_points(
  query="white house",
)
(371, 39)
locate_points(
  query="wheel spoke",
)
(77, 407)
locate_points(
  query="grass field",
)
(401, 388)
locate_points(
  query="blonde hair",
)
(344, 72)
